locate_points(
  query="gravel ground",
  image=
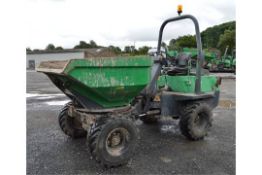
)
(161, 150)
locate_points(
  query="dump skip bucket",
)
(104, 82)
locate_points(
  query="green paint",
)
(115, 82)
(186, 84)
(172, 53)
(110, 82)
(234, 62)
(227, 63)
(132, 61)
(191, 51)
(161, 82)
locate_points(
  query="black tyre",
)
(149, 119)
(69, 125)
(112, 142)
(195, 121)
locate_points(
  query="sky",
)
(117, 22)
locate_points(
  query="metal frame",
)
(199, 46)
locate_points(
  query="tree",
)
(172, 45)
(227, 39)
(133, 49)
(59, 48)
(50, 47)
(210, 37)
(82, 45)
(163, 44)
(143, 50)
(28, 49)
(93, 44)
(36, 50)
(183, 41)
(127, 49)
(116, 50)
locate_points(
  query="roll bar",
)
(199, 46)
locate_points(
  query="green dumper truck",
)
(109, 94)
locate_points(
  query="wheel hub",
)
(200, 121)
(117, 141)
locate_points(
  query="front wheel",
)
(195, 121)
(112, 141)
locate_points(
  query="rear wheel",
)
(69, 125)
(112, 141)
(196, 120)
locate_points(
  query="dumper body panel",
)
(186, 84)
(109, 82)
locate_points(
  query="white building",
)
(34, 58)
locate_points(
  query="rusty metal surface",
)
(53, 64)
(89, 116)
(106, 110)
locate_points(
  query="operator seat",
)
(180, 64)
